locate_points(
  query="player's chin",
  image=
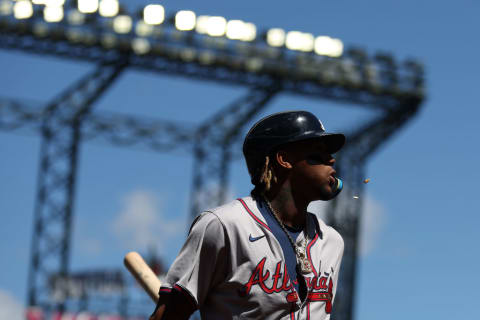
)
(325, 193)
(331, 196)
(328, 196)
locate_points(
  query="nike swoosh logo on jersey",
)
(253, 239)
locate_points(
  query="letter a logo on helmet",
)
(321, 125)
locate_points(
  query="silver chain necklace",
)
(300, 251)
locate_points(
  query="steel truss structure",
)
(395, 90)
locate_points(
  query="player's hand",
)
(173, 306)
(158, 314)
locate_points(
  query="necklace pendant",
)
(300, 253)
(305, 266)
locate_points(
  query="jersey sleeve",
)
(201, 263)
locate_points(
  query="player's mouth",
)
(331, 179)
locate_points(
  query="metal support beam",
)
(104, 127)
(134, 131)
(213, 148)
(50, 251)
(19, 115)
(345, 212)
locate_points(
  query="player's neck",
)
(291, 210)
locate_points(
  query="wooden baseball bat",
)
(143, 274)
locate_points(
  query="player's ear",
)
(283, 159)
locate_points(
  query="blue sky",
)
(421, 214)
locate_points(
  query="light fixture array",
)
(55, 11)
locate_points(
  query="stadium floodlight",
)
(212, 25)
(216, 26)
(202, 24)
(75, 17)
(254, 64)
(188, 54)
(40, 29)
(6, 7)
(300, 41)
(327, 46)
(276, 37)
(39, 2)
(142, 29)
(153, 14)
(22, 9)
(240, 30)
(108, 40)
(74, 35)
(122, 24)
(250, 32)
(108, 8)
(206, 58)
(235, 29)
(185, 20)
(141, 46)
(53, 14)
(337, 48)
(87, 6)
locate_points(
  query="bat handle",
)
(143, 274)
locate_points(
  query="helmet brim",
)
(333, 141)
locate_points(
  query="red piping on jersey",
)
(308, 253)
(253, 215)
(308, 310)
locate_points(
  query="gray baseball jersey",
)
(232, 266)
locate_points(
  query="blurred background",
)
(151, 145)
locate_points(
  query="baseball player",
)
(264, 256)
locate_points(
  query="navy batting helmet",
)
(281, 128)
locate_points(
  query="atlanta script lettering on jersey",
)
(320, 288)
